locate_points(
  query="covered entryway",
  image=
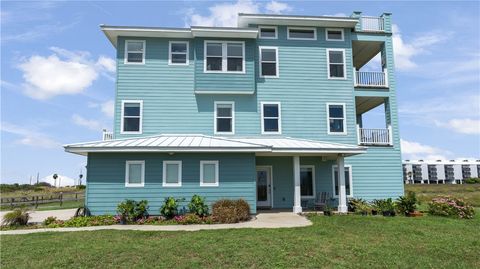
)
(264, 186)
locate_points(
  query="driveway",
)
(39, 216)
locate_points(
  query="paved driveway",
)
(39, 216)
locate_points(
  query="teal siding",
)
(106, 180)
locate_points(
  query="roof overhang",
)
(224, 32)
(244, 20)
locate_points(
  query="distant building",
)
(61, 181)
(440, 171)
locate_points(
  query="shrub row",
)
(472, 180)
(404, 205)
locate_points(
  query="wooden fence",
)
(35, 200)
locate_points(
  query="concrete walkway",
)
(262, 220)
(39, 216)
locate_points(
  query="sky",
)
(58, 72)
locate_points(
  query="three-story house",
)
(269, 111)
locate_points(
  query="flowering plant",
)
(450, 207)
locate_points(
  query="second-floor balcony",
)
(374, 137)
(370, 79)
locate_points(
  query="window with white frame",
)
(135, 51)
(307, 181)
(334, 34)
(336, 118)
(209, 173)
(224, 56)
(178, 53)
(131, 116)
(224, 118)
(135, 174)
(268, 61)
(336, 63)
(301, 33)
(348, 180)
(271, 118)
(172, 173)
(268, 32)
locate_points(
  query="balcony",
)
(370, 79)
(372, 24)
(106, 135)
(374, 137)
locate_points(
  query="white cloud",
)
(64, 72)
(225, 14)
(108, 108)
(405, 52)
(90, 124)
(277, 7)
(463, 126)
(414, 150)
(29, 137)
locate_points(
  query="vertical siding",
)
(106, 180)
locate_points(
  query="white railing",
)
(372, 24)
(374, 136)
(370, 79)
(107, 135)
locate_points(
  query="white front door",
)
(264, 186)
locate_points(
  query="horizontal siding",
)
(106, 180)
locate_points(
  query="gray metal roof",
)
(203, 143)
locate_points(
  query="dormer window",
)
(268, 32)
(135, 51)
(334, 34)
(297, 33)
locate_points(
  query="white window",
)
(336, 117)
(135, 174)
(334, 34)
(224, 118)
(268, 32)
(348, 180)
(268, 62)
(172, 173)
(209, 173)
(307, 181)
(131, 122)
(135, 51)
(302, 33)
(224, 57)
(271, 118)
(178, 53)
(336, 63)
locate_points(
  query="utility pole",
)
(30, 180)
(38, 174)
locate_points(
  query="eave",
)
(244, 20)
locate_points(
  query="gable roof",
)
(201, 143)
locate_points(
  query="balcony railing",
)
(381, 137)
(372, 24)
(107, 135)
(370, 79)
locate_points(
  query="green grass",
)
(338, 241)
(425, 192)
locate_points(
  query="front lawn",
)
(338, 241)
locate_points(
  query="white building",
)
(440, 171)
(61, 181)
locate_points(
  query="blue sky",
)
(58, 72)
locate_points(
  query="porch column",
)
(342, 193)
(297, 207)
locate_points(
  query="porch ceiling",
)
(364, 51)
(364, 104)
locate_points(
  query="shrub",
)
(472, 180)
(49, 220)
(84, 221)
(197, 206)
(386, 206)
(354, 203)
(450, 207)
(170, 207)
(130, 211)
(18, 216)
(407, 204)
(81, 187)
(231, 211)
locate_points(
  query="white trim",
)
(215, 116)
(260, 60)
(122, 117)
(164, 174)
(302, 28)
(224, 92)
(335, 29)
(279, 117)
(344, 65)
(349, 167)
(125, 60)
(270, 168)
(313, 182)
(344, 119)
(267, 27)
(215, 184)
(224, 57)
(142, 180)
(187, 56)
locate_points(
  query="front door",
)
(264, 185)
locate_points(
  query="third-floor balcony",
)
(372, 24)
(375, 137)
(378, 79)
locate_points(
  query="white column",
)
(342, 193)
(297, 207)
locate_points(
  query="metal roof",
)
(203, 143)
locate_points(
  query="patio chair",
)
(322, 201)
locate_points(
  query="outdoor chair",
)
(322, 201)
